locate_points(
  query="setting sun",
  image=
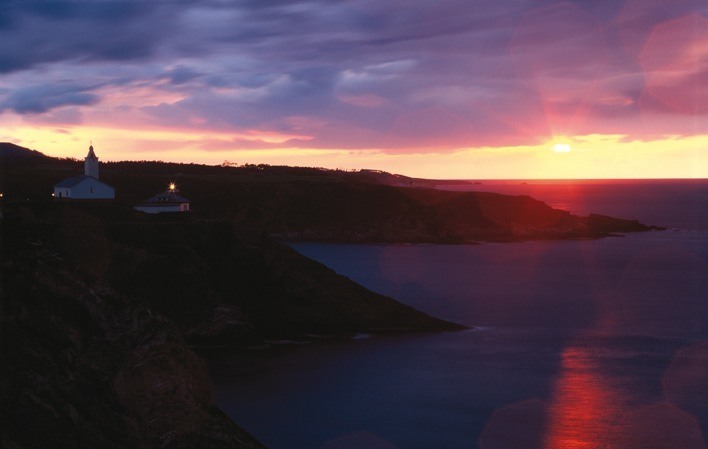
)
(561, 148)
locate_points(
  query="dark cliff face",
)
(85, 367)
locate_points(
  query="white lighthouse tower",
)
(91, 164)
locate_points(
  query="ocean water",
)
(573, 344)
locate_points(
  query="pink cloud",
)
(675, 60)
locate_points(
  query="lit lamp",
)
(173, 187)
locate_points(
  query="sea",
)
(572, 344)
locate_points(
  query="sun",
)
(562, 148)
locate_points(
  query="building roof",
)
(74, 180)
(168, 197)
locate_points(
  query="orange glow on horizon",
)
(589, 157)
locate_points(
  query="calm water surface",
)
(575, 344)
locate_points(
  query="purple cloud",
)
(400, 76)
(43, 98)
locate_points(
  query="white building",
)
(91, 164)
(167, 201)
(86, 186)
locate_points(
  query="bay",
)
(573, 344)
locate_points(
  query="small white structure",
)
(91, 164)
(167, 201)
(86, 186)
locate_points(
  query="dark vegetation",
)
(86, 367)
(99, 302)
(324, 205)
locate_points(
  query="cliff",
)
(99, 303)
(83, 366)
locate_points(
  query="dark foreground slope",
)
(99, 302)
(83, 366)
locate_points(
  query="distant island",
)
(103, 305)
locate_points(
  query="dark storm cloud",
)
(182, 74)
(38, 99)
(42, 32)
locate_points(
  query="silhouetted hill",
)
(10, 150)
(325, 205)
(85, 366)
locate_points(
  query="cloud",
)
(397, 76)
(182, 74)
(675, 59)
(241, 144)
(42, 98)
(53, 31)
(64, 116)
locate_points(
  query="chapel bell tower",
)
(91, 164)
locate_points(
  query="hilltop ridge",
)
(304, 203)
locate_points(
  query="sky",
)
(466, 89)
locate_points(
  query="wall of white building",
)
(89, 188)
